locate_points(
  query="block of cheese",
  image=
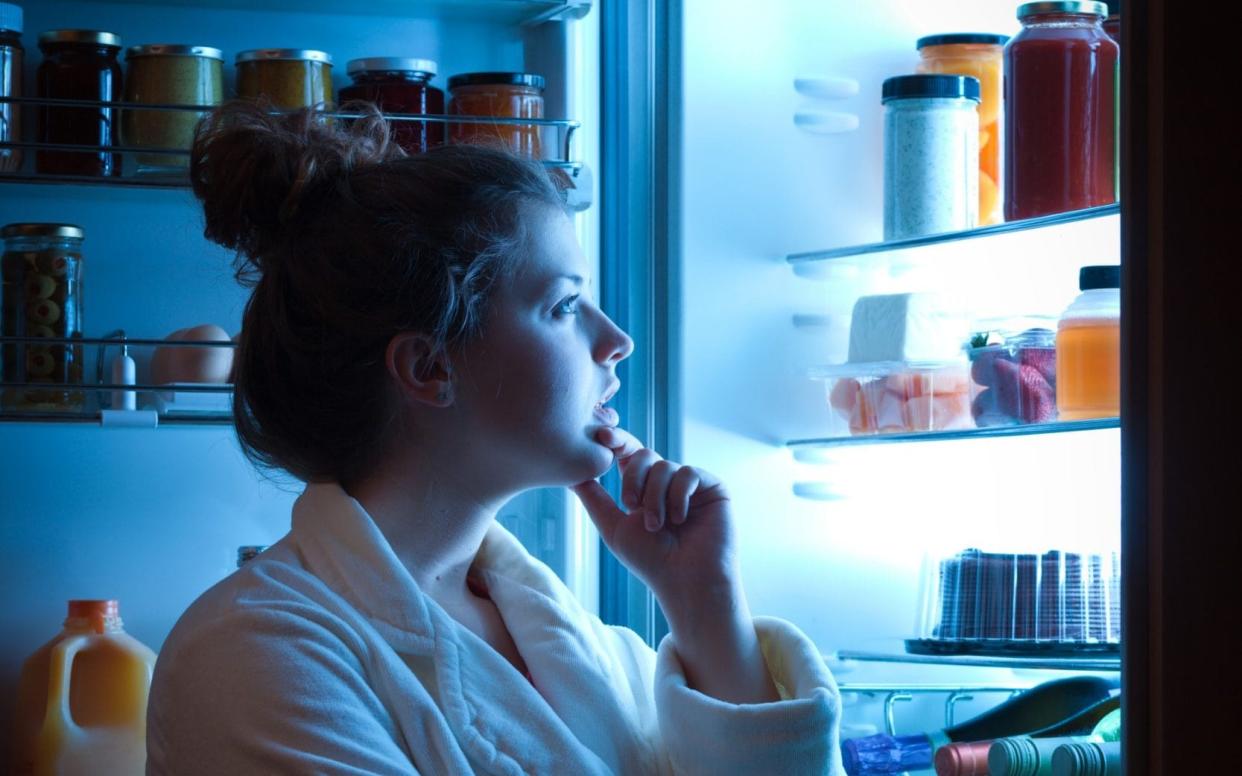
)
(907, 327)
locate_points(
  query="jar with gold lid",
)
(78, 65)
(41, 298)
(167, 74)
(288, 78)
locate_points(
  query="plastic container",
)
(1060, 104)
(400, 85)
(288, 78)
(79, 65)
(82, 698)
(41, 296)
(498, 95)
(12, 54)
(931, 155)
(999, 603)
(980, 55)
(897, 398)
(1015, 380)
(1089, 348)
(165, 74)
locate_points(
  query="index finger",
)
(622, 443)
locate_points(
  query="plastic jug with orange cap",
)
(82, 698)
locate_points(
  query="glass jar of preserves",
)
(11, 55)
(41, 296)
(931, 154)
(164, 74)
(1060, 73)
(288, 78)
(400, 85)
(979, 55)
(78, 65)
(498, 95)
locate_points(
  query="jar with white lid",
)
(931, 154)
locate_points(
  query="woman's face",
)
(529, 389)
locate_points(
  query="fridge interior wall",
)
(153, 517)
(756, 188)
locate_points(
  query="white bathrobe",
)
(323, 656)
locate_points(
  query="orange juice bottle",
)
(980, 55)
(82, 698)
(1089, 348)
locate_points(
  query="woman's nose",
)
(612, 344)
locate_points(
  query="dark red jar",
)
(1060, 80)
(78, 65)
(400, 85)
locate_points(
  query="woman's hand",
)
(677, 537)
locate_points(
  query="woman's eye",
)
(567, 306)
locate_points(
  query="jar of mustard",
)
(41, 297)
(166, 74)
(289, 78)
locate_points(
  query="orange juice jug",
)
(82, 698)
(1089, 348)
(979, 55)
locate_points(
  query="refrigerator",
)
(726, 161)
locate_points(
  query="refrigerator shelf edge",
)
(805, 450)
(1083, 663)
(503, 12)
(803, 263)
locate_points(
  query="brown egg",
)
(193, 365)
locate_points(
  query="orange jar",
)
(1089, 348)
(497, 95)
(980, 55)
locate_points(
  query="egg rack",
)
(26, 400)
(555, 137)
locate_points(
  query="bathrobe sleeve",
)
(270, 691)
(795, 735)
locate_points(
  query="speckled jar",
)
(931, 155)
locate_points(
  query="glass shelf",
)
(803, 263)
(503, 12)
(1104, 663)
(804, 449)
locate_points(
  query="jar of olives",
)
(41, 298)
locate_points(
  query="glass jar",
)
(1060, 73)
(164, 74)
(979, 55)
(11, 56)
(1089, 348)
(78, 65)
(289, 78)
(931, 154)
(400, 85)
(499, 95)
(41, 296)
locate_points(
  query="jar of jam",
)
(41, 296)
(1060, 73)
(11, 54)
(164, 74)
(979, 55)
(288, 78)
(400, 85)
(498, 95)
(78, 65)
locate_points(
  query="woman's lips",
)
(607, 415)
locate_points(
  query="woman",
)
(420, 346)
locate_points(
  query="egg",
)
(193, 365)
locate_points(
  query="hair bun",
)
(260, 173)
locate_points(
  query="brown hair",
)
(346, 241)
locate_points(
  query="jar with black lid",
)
(41, 297)
(79, 65)
(399, 85)
(498, 95)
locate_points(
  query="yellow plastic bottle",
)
(82, 698)
(1089, 348)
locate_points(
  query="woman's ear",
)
(420, 369)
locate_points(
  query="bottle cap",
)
(97, 611)
(173, 50)
(10, 17)
(93, 37)
(496, 79)
(886, 754)
(42, 230)
(299, 55)
(390, 64)
(1088, 7)
(964, 759)
(906, 87)
(1106, 276)
(956, 38)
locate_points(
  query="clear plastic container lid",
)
(894, 397)
(1001, 603)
